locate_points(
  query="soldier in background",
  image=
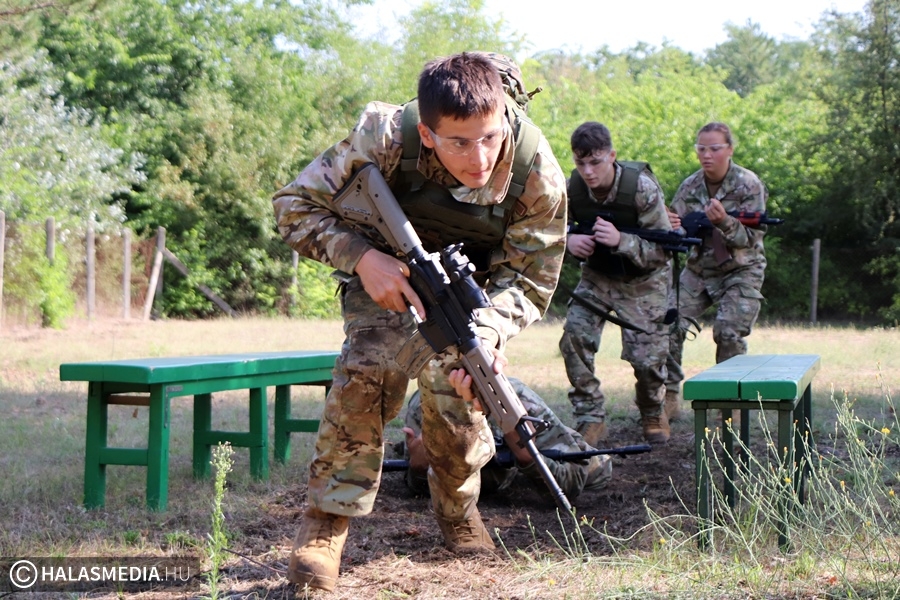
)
(728, 269)
(619, 272)
(573, 476)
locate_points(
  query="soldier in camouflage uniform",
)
(620, 272)
(728, 269)
(572, 476)
(466, 151)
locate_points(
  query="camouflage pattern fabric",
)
(524, 270)
(734, 287)
(640, 300)
(369, 388)
(572, 476)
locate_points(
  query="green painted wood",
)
(198, 376)
(195, 368)
(772, 382)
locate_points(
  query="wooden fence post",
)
(90, 254)
(160, 246)
(126, 273)
(50, 228)
(2, 257)
(814, 294)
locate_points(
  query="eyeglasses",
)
(714, 148)
(464, 146)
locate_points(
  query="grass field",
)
(42, 432)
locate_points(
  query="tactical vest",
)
(438, 218)
(621, 212)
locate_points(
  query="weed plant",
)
(843, 525)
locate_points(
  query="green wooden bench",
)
(780, 382)
(153, 382)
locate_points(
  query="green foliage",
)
(189, 115)
(40, 291)
(217, 543)
(315, 294)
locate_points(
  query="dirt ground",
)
(398, 547)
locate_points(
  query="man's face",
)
(468, 148)
(597, 168)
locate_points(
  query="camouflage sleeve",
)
(570, 475)
(684, 201)
(742, 190)
(525, 270)
(303, 209)
(651, 206)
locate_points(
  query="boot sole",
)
(321, 582)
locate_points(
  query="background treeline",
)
(190, 114)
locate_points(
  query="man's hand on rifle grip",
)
(606, 233)
(580, 246)
(674, 219)
(386, 280)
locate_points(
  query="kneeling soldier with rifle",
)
(576, 466)
(621, 271)
(491, 177)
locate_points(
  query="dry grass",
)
(42, 445)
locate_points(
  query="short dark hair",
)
(721, 128)
(590, 137)
(460, 86)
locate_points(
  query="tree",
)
(53, 163)
(859, 206)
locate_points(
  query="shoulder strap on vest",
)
(411, 144)
(631, 171)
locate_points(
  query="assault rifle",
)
(444, 283)
(673, 241)
(696, 223)
(504, 458)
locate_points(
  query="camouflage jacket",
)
(741, 190)
(651, 210)
(524, 270)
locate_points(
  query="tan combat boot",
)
(316, 556)
(656, 429)
(673, 405)
(468, 535)
(593, 432)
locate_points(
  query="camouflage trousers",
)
(368, 391)
(572, 476)
(738, 301)
(642, 303)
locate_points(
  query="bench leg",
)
(259, 439)
(728, 442)
(804, 440)
(95, 440)
(786, 447)
(202, 428)
(282, 416)
(158, 450)
(704, 506)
